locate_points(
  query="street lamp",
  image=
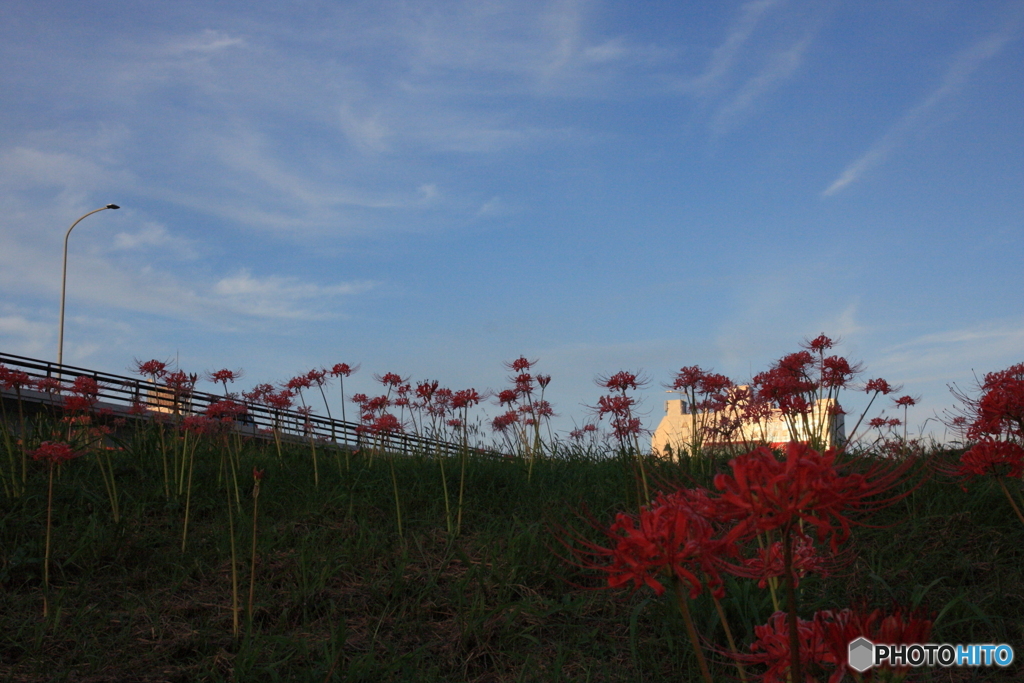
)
(64, 280)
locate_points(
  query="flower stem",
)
(46, 560)
(1009, 497)
(794, 636)
(234, 564)
(252, 563)
(394, 486)
(684, 609)
(728, 636)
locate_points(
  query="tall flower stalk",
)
(625, 425)
(54, 454)
(257, 476)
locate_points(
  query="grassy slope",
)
(336, 585)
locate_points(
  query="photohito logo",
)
(863, 655)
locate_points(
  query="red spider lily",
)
(376, 404)
(223, 376)
(259, 393)
(713, 384)
(772, 648)
(820, 343)
(54, 452)
(78, 404)
(226, 410)
(454, 423)
(840, 628)
(772, 494)
(543, 381)
(621, 381)
(85, 387)
(520, 364)
(154, 369)
(386, 423)
(906, 401)
(199, 424)
(769, 562)
(425, 390)
(879, 386)
(50, 385)
(543, 409)
(317, 376)
(279, 400)
(616, 404)
(623, 428)
(298, 383)
(578, 434)
(390, 379)
(343, 370)
(524, 384)
(360, 398)
(137, 408)
(667, 539)
(465, 399)
(998, 458)
(257, 474)
(14, 379)
(836, 372)
(503, 422)
(688, 378)
(1000, 410)
(180, 383)
(507, 396)
(877, 422)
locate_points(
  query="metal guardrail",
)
(118, 393)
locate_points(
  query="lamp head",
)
(112, 206)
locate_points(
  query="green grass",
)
(338, 590)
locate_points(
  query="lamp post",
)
(64, 280)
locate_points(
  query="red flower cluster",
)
(525, 407)
(154, 369)
(765, 493)
(769, 562)
(1000, 410)
(226, 410)
(619, 406)
(84, 394)
(342, 370)
(998, 458)
(771, 647)
(14, 379)
(54, 452)
(668, 539)
(824, 640)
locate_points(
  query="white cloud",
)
(206, 42)
(152, 236)
(964, 64)
(781, 65)
(280, 297)
(725, 55)
(21, 336)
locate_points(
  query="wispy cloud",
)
(781, 65)
(153, 236)
(20, 335)
(280, 297)
(725, 55)
(964, 64)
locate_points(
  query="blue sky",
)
(432, 188)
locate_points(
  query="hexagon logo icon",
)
(861, 655)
